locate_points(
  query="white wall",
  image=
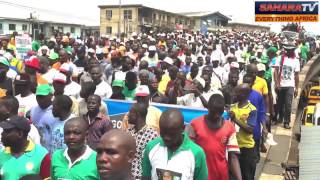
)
(47, 28)
(5, 27)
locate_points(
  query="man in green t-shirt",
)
(77, 161)
(21, 156)
(304, 51)
(129, 90)
(173, 155)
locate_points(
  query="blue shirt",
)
(256, 99)
(186, 69)
(43, 120)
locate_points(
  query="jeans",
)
(247, 160)
(285, 96)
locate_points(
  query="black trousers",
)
(247, 160)
(285, 96)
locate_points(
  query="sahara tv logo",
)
(286, 11)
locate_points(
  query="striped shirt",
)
(97, 127)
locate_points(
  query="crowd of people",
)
(55, 123)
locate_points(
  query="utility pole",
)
(119, 19)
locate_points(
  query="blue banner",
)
(119, 107)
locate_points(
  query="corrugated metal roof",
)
(309, 153)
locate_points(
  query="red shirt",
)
(216, 144)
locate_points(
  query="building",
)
(126, 19)
(32, 26)
(247, 27)
(208, 20)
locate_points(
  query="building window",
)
(108, 14)
(109, 30)
(72, 30)
(127, 14)
(60, 29)
(154, 16)
(12, 27)
(24, 27)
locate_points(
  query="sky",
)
(87, 11)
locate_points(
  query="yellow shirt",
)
(163, 83)
(152, 119)
(260, 85)
(246, 115)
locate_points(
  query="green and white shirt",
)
(186, 163)
(83, 168)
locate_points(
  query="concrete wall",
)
(47, 27)
(5, 26)
(114, 21)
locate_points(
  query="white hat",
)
(168, 60)
(232, 47)
(91, 50)
(234, 65)
(59, 77)
(134, 34)
(240, 59)
(261, 67)
(142, 90)
(145, 46)
(259, 50)
(152, 48)
(53, 39)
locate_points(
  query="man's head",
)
(194, 70)
(22, 83)
(200, 61)
(59, 83)
(15, 130)
(9, 106)
(144, 77)
(173, 70)
(207, 80)
(96, 74)
(249, 79)
(115, 153)
(233, 78)
(143, 65)
(87, 89)
(138, 112)
(44, 93)
(127, 63)
(131, 80)
(188, 60)
(242, 92)
(75, 131)
(208, 59)
(44, 65)
(171, 128)
(61, 106)
(64, 56)
(93, 103)
(252, 69)
(207, 70)
(215, 63)
(216, 106)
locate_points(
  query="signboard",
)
(23, 45)
(286, 11)
(118, 108)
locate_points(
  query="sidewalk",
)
(269, 166)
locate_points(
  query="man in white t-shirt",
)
(103, 89)
(72, 88)
(286, 74)
(26, 98)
